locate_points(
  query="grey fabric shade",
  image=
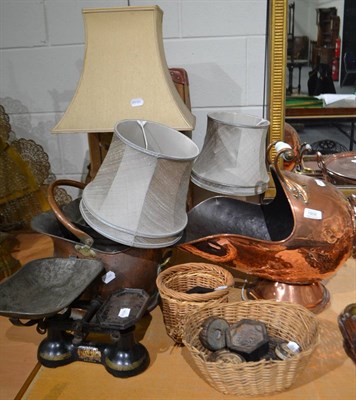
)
(232, 160)
(139, 194)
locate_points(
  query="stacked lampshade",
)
(139, 194)
(232, 160)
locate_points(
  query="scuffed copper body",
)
(287, 243)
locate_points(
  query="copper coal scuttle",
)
(290, 243)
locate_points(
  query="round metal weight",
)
(273, 343)
(213, 333)
(226, 356)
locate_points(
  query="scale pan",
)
(46, 286)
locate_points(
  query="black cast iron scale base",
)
(47, 293)
(85, 340)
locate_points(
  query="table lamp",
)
(125, 74)
(125, 77)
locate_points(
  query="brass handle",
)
(304, 148)
(285, 151)
(82, 236)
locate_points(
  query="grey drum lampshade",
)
(232, 160)
(124, 74)
(139, 194)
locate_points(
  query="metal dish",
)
(46, 286)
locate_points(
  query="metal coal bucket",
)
(125, 267)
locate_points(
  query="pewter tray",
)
(46, 286)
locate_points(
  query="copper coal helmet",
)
(300, 237)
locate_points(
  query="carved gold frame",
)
(277, 61)
(276, 83)
(277, 53)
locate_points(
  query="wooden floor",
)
(18, 345)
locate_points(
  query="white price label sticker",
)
(108, 277)
(124, 312)
(320, 182)
(293, 346)
(312, 214)
(137, 102)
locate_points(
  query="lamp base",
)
(314, 296)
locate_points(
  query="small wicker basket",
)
(287, 321)
(173, 283)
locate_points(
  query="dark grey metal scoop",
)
(45, 286)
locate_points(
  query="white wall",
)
(221, 44)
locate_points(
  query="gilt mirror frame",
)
(277, 61)
(276, 90)
(276, 50)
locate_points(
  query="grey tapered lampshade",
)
(232, 160)
(125, 74)
(139, 194)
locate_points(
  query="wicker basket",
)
(287, 321)
(173, 283)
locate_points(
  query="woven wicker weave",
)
(287, 321)
(173, 283)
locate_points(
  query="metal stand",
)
(313, 296)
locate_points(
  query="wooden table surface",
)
(18, 346)
(321, 113)
(172, 374)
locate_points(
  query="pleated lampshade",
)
(232, 160)
(139, 194)
(125, 74)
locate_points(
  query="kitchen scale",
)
(49, 293)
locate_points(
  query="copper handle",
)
(82, 236)
(322, 166)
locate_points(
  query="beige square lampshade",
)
(125, 74)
